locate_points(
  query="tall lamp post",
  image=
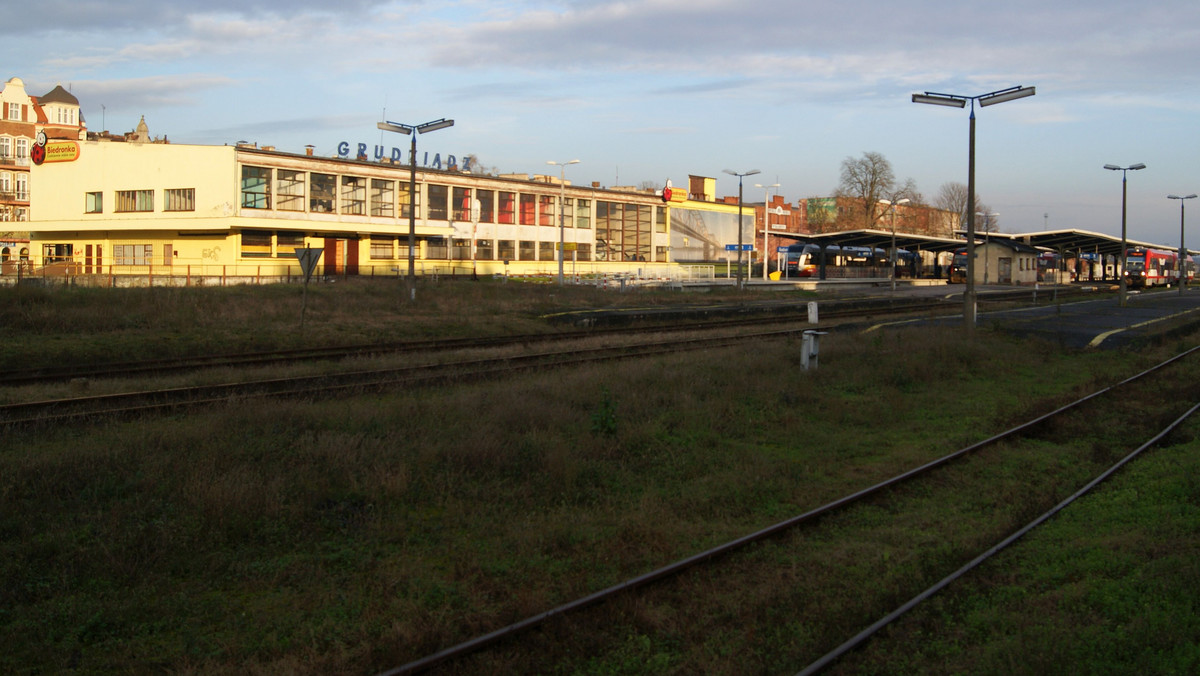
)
(413, 130)
(1182, 251)
(892, 205)
(956, 101)
(739, 221)
(1122, 287)
(562, 200)
(766, 219)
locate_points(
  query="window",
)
(168, 254)
(439, 195)
(505, 250)
(135, 200)
(179, 199)
(546, 251)
(14, 111)
(286, 243)
(405, 201)
(256, 188)
(289, 190)
(660, 220)
(528, 207)
(256, 244)
(5, 147)
(22, 148)
(506, 215)
(56, 253)
(583, 252)
(383, 198)
(383, 248)
(546, 210)
(133, 254)
(487, 205)
(483, 249)
(461, 206)
(527, 250)
(23, 187)
(321, 193)
(93, 203)
(354, 195)
(461, 251)
(5, 182)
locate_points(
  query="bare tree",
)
(952, 196)
(869, 179)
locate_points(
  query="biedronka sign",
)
(45, 150)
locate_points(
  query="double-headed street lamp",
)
(413, 130)
(1122, 293)
(1182, 251)
(740, 176)
(892, 205)
(956, 101)
(766, 218)
(562, 198)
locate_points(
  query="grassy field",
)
(350, 536)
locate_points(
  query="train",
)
(958, 266)
(1145, 268)
(804, 260)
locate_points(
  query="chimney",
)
(308, 150)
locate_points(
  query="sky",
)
(654, 90)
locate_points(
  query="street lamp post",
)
(739, 221)
(1182, 251)
(413, 130)
(562, 199)
(1122, 293)
(956, 101)
(892, 205)
(766, 220)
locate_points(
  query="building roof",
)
(58, 95)
(1066, 241)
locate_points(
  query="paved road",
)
(1101, 322)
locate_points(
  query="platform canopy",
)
(1065, 241)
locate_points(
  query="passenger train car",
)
(1146, 268)
(804, 260)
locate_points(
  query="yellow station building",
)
(178, 214)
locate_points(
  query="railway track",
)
(714, 318)
(676, 582)
(145, 402)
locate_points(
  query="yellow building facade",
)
(184, 213)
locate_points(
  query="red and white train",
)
(1145, 268)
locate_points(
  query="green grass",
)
(350, 535)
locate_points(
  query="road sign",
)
(734, 247)
(308, 260)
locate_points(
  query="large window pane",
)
(354, 195)
(322, 189)
(383, 198)
(289, 190)
(256, 188)
(439, 197)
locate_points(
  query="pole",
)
(739, 229)
(1182, 252)
(562, 196)
(969, 292)
(893, 256)
(1121, 293)
(412, 217)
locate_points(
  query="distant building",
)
(22, 117)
